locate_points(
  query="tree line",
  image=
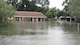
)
(30, 5)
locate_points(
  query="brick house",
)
(29, 16)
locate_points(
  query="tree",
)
(74, 8)
(30, 5)
(26, 5)
(62, 13)
(43, 3)
(71, 7)
(52, 13)
(14, 3)
(65, 4)
(6, 11)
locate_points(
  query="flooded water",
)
(40, 33)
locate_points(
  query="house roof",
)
(29, 14)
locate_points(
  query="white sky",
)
(56, 3)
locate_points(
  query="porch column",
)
(37, 19)
(70, 19)
(20, 19)
(26, 19)
(40, 19)
(43, 19)
(34, 19)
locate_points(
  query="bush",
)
(6, 11)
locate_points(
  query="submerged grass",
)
(8, 30)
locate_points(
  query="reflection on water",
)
(32, 28)
(40, 33)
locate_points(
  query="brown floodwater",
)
(41, 33)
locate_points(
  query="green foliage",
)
(5, 12)
(14, 3)
(43, 3)
(27, 5)
(73, 8)
(52, 13)
(65, 4)
(30, 6)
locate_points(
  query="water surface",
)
(40, 33)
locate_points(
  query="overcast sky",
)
(56, 3)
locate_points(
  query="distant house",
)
(67, 18)
(29, 16)
(61, 18)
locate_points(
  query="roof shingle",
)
(29, 14)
